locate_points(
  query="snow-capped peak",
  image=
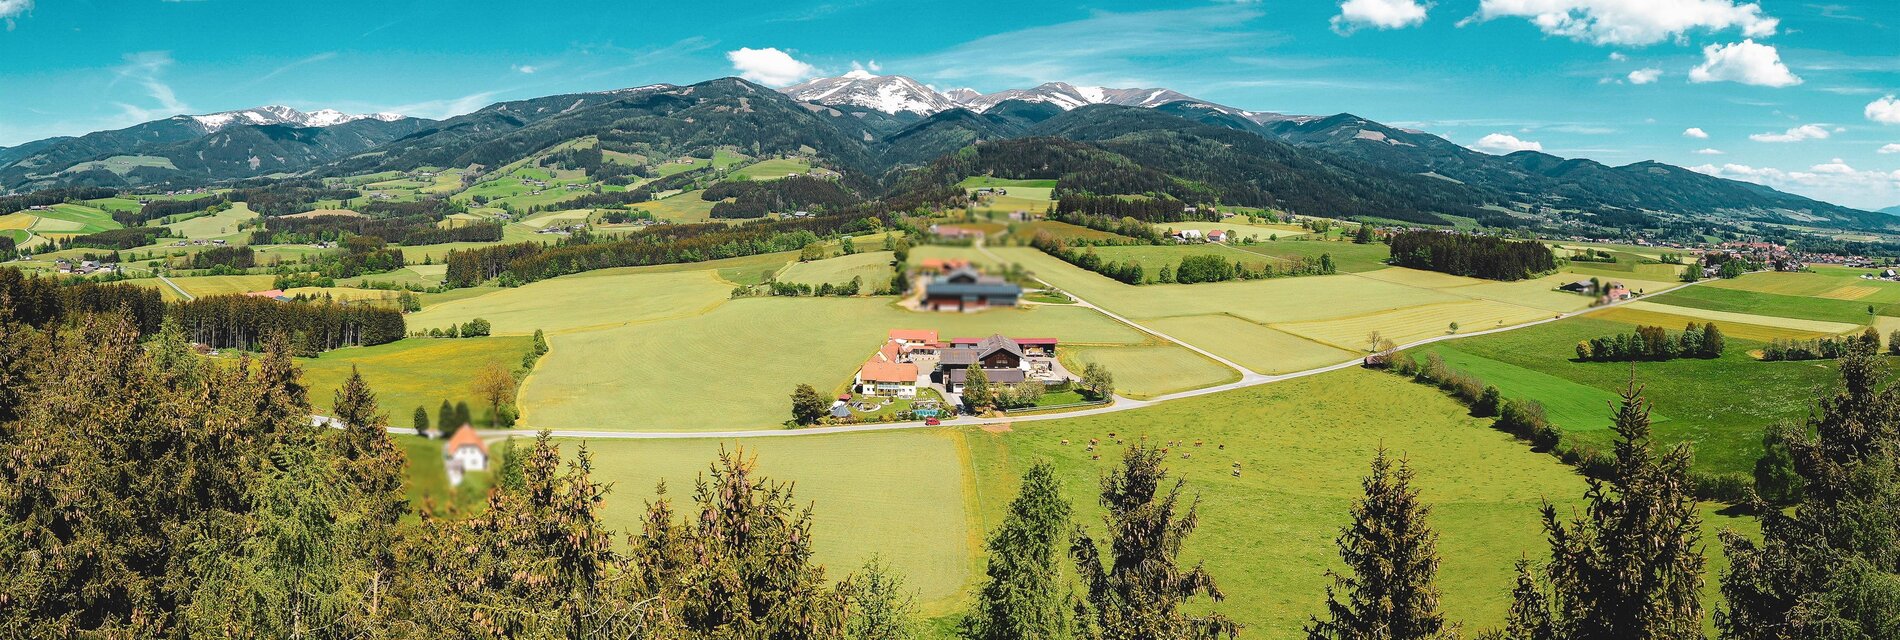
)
(898, 94)
(861, 88)
(279, 114)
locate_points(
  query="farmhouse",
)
(880, 378)
(936, 266)
(951, 232)
(1217, 235)
(966, 289)
(464, 452)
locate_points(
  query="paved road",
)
(1247, 379)
(181, 291)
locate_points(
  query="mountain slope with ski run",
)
(899, 94)
(279, 114)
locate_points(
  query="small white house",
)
(464, 452)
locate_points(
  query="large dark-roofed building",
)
(967, 290)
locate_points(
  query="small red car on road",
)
(932, 422)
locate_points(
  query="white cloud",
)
(1645, 76)
(769, 66)
(1708, 152)
(1747, 62)
(1618, 56)
(1885, 110)
(1631, 22)
(1695, 132)
(1833, 181)
(10, 9)
(1796, 134)
(1379, 14)
(1892, 148)
(525, 68)
(1503, 143)
(147, 68)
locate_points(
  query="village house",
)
(952, 232)
(1189, 235)
(463, 453)
(966, 289)
(880, 378)
(1217, 235)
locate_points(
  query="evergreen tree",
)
(881, 607)
(1830, 568)
(1392, 554)
(462, 416)
(1776, 481)
(445, 419)
(421, 421)
(1629, 566)
(1138, 593)
(1712, 341)
(1022, 594)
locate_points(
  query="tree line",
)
(45, 302)
(662, 244)
(1472, 255)
(1823, 348)
(244, 322)
(1143, 209)
(1654, 344)
(126, 238)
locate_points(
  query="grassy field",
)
(1266, 535)
(73, 219)
(731, 367)
(1256, 347)
(873, 269)
(1413, 323)
(1571, 405)
(1831, 283)
(974, 182)
(201, 286)
(1024, 232)
(684, 207)
(578, 304)
(921, 515)
(223, 223)
(773, 169)
(1774, 304)
(1149, 371)
(1725, 427)
(413, 372)
(1350, 258)
(1025, 199)
(1746, 322)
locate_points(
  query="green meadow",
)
(413, 372)
(1266, 534)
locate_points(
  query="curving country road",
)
(1247, 379)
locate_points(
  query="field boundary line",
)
(181, 290)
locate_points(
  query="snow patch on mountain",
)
(279, 114)
(860, 88)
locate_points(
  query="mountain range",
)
(881, 129)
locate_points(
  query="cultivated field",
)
(773, 169)
(223, 223)
(1149, 371)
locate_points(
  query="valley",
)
(559, 327)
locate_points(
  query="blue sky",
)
(1786, 92)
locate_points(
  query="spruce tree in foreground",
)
(1138, 593)
(1022, 595)
(1392, 554)
(1628, 567)
(1831, 567)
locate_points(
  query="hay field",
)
(221, 224)
(1254, 346)
(1149, 371)
(1731, 317)
(577, 304)
(1413, 323)
(873, 269)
